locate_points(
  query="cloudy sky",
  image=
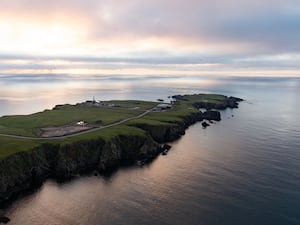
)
(228, 37)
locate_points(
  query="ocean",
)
(244, 169)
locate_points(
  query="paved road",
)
(79, 133)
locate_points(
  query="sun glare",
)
(17, 35)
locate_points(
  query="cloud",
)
(235, 33)
(278, 31)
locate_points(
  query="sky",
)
(195, 37)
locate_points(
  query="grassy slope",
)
(182, 108)
(9, 146)
(28, 125)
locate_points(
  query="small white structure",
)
(80, 123)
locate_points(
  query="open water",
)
(242, 170)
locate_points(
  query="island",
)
(95, 137)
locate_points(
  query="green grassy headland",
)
(30, 125)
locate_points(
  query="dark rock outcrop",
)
(212, 115)
(228, 102)
(204, 124)
(166, 147)
(4, 219)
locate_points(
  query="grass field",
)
(9, 146)
(29, 125)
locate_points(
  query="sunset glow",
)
(133, 37)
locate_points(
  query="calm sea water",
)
(242, 170)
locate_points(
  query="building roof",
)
(164, 105)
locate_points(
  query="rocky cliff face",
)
(20, 171)
(127, 149)
(24, 170)
(168, 133)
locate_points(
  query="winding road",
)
(77, 133)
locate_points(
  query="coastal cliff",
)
(171, 132)
(228, 102)
(25, 170)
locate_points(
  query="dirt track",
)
(63, 131)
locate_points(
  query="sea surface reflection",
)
(242, 170)
(24, 94)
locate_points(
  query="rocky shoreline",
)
(26, 170)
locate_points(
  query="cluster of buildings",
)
(162, 107)
(94, 103)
